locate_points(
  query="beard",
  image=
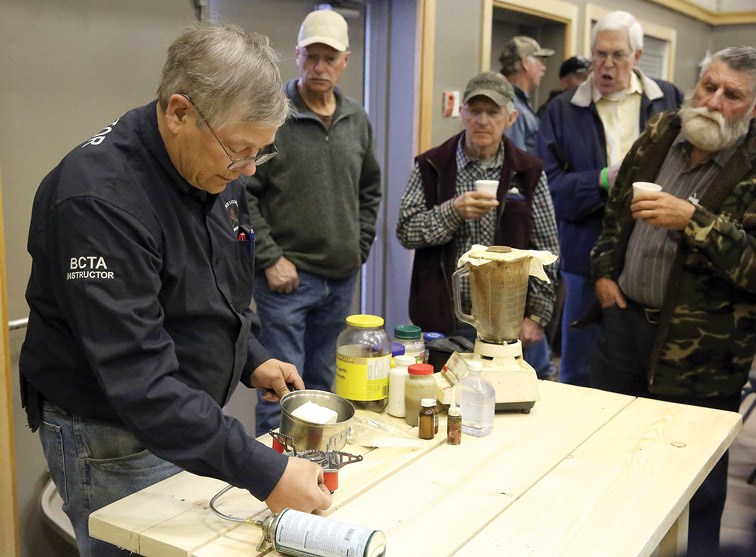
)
(709, 130)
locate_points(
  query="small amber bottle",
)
(454, 426)
(427, 418)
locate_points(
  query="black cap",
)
(576, 64)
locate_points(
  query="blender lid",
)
(483, 254)
(480, 255)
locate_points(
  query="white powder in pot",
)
(315, 414)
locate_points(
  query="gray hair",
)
(227, 72)
(616, 21)
(511, 65)
(738, 58)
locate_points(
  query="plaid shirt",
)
(419, 227)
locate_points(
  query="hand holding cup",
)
(488, 187)
(645, 187)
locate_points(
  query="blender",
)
(498, 277)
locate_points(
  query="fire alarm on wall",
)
(451, 104)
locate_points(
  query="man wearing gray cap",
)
(313, 210)
(522, 65)
(442, 215)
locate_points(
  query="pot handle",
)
(458, 275)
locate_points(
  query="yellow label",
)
(362, 378)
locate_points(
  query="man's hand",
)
(608, 293)
(474, 204)
(282, 276)
(300, 488)
(611, 173)
(663, 210)
(272, 376)
(530, 332)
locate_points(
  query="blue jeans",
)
(622, 361)
(94, 463)
(538, 355)
(302, 328)
(578, 345)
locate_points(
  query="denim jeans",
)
(94, 463)
(621, 365)
(302, 328)
(578, 345)
(538, 355)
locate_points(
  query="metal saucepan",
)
(310, 436)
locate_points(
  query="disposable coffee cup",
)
(645, 187)
(488, 187)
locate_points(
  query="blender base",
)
(515, 382)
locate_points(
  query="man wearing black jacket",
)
(140, 327)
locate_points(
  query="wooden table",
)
(585, 473)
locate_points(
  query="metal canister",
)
(307, 535)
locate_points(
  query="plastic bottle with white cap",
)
(477, 401)
(397, 381)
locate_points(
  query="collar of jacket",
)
(301, 110)
(583, 95)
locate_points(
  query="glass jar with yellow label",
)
(363, 362)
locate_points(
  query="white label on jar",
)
(360, 378)
(303, 534)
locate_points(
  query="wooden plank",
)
(476, 481)
(386, 490)
(621, 491)
(182, 498)
(354, 479)
(9, 533)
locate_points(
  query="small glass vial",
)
(363, 361)
(420, 384)
(454, 426)
(397, 382)
(411, 337)
(427, 418)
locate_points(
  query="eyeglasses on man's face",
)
(617, 56)
(236, 164)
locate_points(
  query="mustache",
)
(691, 111)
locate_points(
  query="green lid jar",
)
(411, 337)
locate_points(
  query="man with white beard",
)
(674, 270)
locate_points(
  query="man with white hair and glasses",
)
(583, 138)
(675, 269)
(140, 326)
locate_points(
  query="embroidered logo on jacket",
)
(88, 267)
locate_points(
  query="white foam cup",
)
(487, 186)
(645, 187)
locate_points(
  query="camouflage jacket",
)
(706, 335)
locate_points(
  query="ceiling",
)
(726, 5)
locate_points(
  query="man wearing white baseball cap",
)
(313, 210)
